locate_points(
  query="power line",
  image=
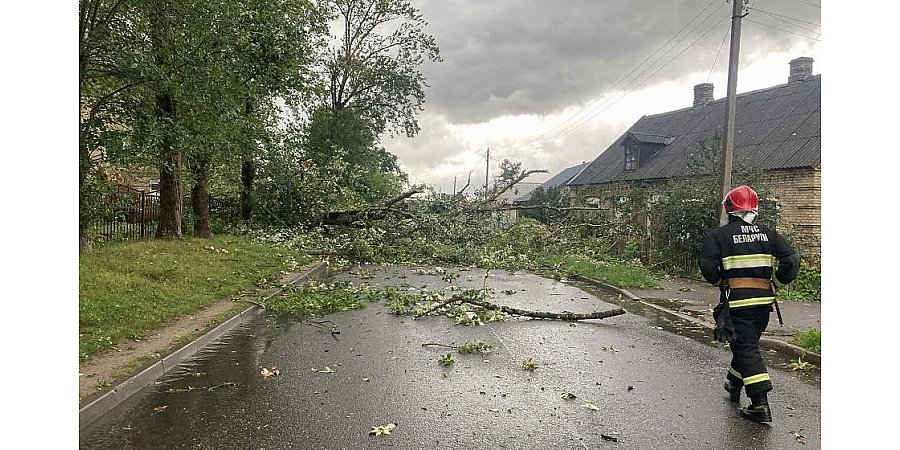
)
(785, 16)
(719, 51)
(549, 132)
(600, 107)
(809, 3)
(588, 119)
(782, 29)
(782, 19)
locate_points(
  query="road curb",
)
(97, 408)
(785, 348)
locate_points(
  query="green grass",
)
(811, 339)
(619, 274)
(126, 290)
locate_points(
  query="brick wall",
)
(798, 192)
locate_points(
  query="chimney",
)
(801, 69)
(703, 94)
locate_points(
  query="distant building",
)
(559, 180)
(777, 131)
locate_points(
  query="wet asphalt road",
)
(653, 388)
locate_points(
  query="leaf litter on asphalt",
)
(266, 373)
(590, 405)
(379, 430)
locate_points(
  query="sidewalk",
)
(697, 299)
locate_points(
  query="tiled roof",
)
(557, 180)
(775, 128)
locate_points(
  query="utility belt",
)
(746, 282)
(750, 283)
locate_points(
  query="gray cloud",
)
(506, 57)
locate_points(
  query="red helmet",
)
(741, 198)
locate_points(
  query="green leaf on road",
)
(382, 429)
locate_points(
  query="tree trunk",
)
(248, 173)
(170, 201)
(84, 161)
(200, 198)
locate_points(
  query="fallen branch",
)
(435, 344)
(547, 315)
(521, 177)
(466, 186)
(528, 207)
(453, 299)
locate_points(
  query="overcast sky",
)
(552, 84)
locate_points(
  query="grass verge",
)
(810, 339)
(128, 289)
(616, 273)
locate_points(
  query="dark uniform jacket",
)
(738, 250)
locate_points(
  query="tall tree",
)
(373, 68)
(109, 63)
(274, 55)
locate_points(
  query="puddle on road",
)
(672, 324)
(209, 384)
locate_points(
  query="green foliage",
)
(800, 366)
(405, 303)
(810, 339)
(373, 66)
(509, 172)
(552, 197)
(128, 289)
(625, 274)
(171, 81)
(807, 286)
(320, 298)
(447, 360)
(529, 365)
(475, 346)
(443, 234)
(664, 223)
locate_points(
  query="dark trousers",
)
(747, 366)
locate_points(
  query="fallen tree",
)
(349, 217)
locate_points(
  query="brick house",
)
(777, 133)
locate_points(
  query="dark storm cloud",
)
(534, 56)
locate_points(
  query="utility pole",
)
(487, 168)
(731, 103)
(454, 185)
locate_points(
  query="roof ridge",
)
(742, 94)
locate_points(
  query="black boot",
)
(734, 392)
(757, 412)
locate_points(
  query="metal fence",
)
(131, 214)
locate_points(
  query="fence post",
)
(142, 214)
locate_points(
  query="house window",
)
(631, 157)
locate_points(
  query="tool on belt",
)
(725, 331)
(756, 283)
(777, 309)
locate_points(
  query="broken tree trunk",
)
(569, 316)
(548, 315)
(348, 217)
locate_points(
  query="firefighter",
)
(740, 257)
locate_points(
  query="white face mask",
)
(746, 216)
